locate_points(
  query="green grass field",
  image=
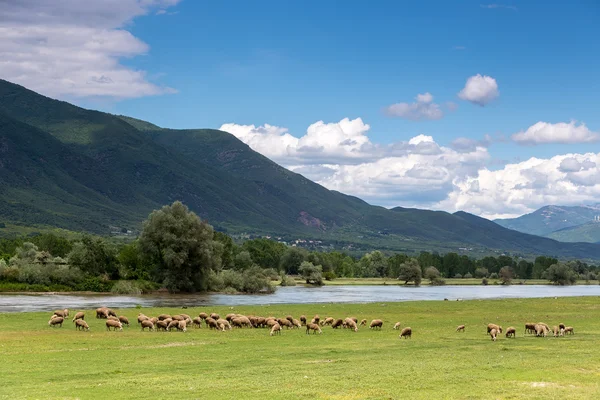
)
(437, 363)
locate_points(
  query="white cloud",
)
(72, 48)
(523, 187)
(480, 90)
(544, 132)
(423, 109)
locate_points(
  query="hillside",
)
(79, 169)
(549, 219)
(589, 232)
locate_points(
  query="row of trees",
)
(178, 251)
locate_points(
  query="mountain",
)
(65, 166)
(589, 232)
(549, 219)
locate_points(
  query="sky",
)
(490, 108)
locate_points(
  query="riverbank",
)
(39, 361)
(449, 281)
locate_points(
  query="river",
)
(291, 295)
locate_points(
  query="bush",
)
(493, 275)
(229, 290)
(94, 284)
(214, 281)
(467, 276)
(287, 281)
(329, 275)
(484, 281)
(437, 282)
(232, 279)
(458, 276)
(481, 273)
(256, 281)
(126, 287)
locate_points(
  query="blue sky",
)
(196, 64)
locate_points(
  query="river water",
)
(292, 295)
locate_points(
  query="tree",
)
(481, 272)
(561, 274)
(394, 262)
(132, 263)
(434, 276)
(266, 253)
(243, 261)
(506, 275)
(181, 247)
(410, 271)
(291, 260)
(311, 273)
(94, 256)
(56, 245)
(227, 258)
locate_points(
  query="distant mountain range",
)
(77, 169)
(564, 223)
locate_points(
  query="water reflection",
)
(292, 295)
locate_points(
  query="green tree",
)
(243, 261)
(506, 275)
(264, 252)
(132, 263)
(56, 245)
(311, 273)
(410, 271)
(227, 258)
(181, 246)
(541, 264)
(481, 272)
(94, 256)
(561, 274)
(434, 276)
(291, 260)
(394, 262)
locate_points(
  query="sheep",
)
(540, 330)
(493, 333)
(406, 333)
(270, 322)
(80, 324)
(203, 315)
(182, 326)
(354, 319)
(179, 317)
(303, 320)
(397, 326)
(56, 321)
(351, 324)
(162, 325)
(363, 322)
(313, 327)
(229, 317)
(111, 323)
(327, 321)
(162, 317)
(79, 315)
(275, 330)
(62, 313)
(460, 328)
(185, 316)
(315, 319)
(289, 318)
(215, 316)
(544, 325)
(337, 323)
(113, 318)
(154, 320)
(141, 317)
(555, 331)
(286, 323)
(561, 326)
(569, 330)
(102, 312)
(245, 321)
(376, 323)
(494, 326)
(261, 322)
(174, 324)
(147, 324)
(511, 332)
(296, 323)
(197, 322)
(529, 327)
(224, 324)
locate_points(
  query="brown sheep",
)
(363, 322)
(337, 323)
(124, 320)
(511, 332)
(185, 316)
(313, 327)
(56, 321)
(561, 326)
(162, 317)
(289, 318)
(493, 333)
(182, 326)
(498, 328)
(406, 332)
(460, 328)
(168, 320)
(245, 321)
(102, 312)
(397, 325)
(376, 323)
(270, 322)
(162, 325)
(275, 330)
(178, 317)
(316, 319)
(147, 324)
(286, 323)
(215, 316)
(154, 320)
(80, 324)
(111, 312)
(555, 331)
(303, 319)
(111, 323)
(229, 317)
(328, 321)
(79, 315)
(350, 324)
(544, 325)
(113, 318)
(173, 324)
(141, 317)
(203, 315)
(62, 313)
(540, 330)
(569, 330)
(529, 327)
(354, 319)
(296, 323)
(224, 324)
(197, 322)
(261, 322)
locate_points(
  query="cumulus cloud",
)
(73, 48)
(423, 109)
(463, 144)
(480, 90)
(544, 132)
(523, 187)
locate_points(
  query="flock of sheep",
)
(181, 322)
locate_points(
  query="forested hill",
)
(65, 166)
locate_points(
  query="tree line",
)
(178, 251)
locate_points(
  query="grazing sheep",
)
(313, 327)
(286, 323)
(315, 319)
(80, 324)
(111, 323)
(363, 322)
(162, 317)
(498, 328)
(147, 324)
(261, 322)
(530, 327)
(397, 325)
(544, 325)
(460, 328)
(197, 322)
(124, 320)
(173, 324)
(337, 323)
(56, 321)
(511, 332)
(154, 320)
(229, 317)
(561, 326)
(179, 317)
(328, 321)
(113, 318)
(354, 319)
(162, 325)
(203, 315)
(102, 312)
(289, 318)
(303, 319)
(110, 312)
(62, 313)
(141, 317)
(270, 322)
(350, 324)
(376, 323)
(245, 321)
(569, 330)
(185, 316)
(168, 320)
(215, 316)
(555, 331)
(275, 330)
(406, 332)
(296, 323)
(224, 324)
(493, 333)
(182, 326)
(540, 330)
(79, 315)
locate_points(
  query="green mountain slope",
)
(589, 232)
(65, 166)
(551, 218)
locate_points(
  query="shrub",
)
(481, 273)
(214, 281)
(287, 281)
(438, 282)
(230, 290)
(493, 275)
(232, 279)
(126, 287)
(467, 276)
(329, 275)
(255, 281)
(94, 284)
(484, 281)
(458, 276)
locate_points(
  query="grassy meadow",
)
(437, 363)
